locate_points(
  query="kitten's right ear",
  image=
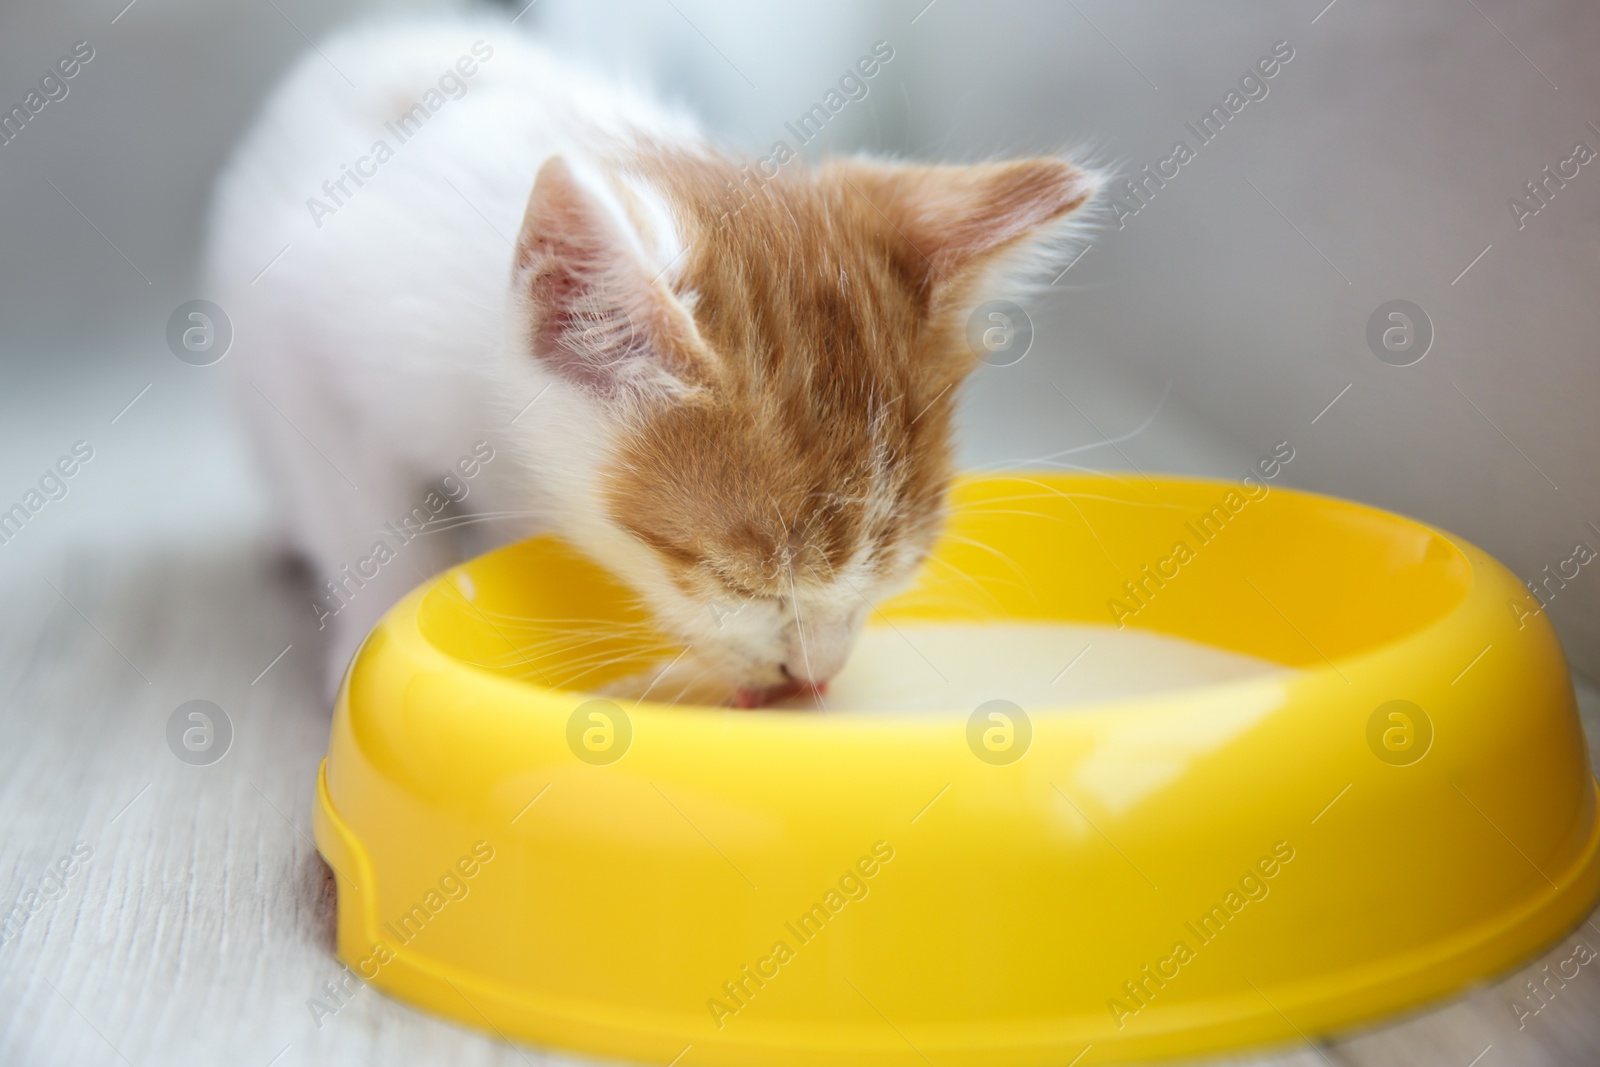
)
(966, 222)
(596, 313)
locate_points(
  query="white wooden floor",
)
(203, 922)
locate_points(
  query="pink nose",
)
(821, 656)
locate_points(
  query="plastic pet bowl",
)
(1408, 811)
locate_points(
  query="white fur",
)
(380, 346)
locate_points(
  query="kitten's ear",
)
(596, 314)
(964, 220)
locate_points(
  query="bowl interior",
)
(1292, 578)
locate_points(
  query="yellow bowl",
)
(1211, 867)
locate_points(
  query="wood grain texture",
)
(202, 925)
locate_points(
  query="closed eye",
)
(748, 598)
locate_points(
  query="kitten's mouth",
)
(747, 697)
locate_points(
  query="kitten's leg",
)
(279, 452)
(364, 555)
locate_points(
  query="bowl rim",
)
(402, 622)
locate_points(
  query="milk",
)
(925, 667)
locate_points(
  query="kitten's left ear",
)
(596, 313)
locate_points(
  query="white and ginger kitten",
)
(741, 381)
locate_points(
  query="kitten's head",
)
(752, 379)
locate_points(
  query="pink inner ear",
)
(961, 216)
(1009, 205)
(562, 221)
(594, 313)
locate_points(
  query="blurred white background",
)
(1377, 167)
(1228, 314)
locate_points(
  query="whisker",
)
(801, 630)
(961, 573)
(568, 621)
(451, 521)
(563, 664)
(677, 698)
(1141, 428)
(566, 645)
(1095, 534)
(1001, 556)
(1052, 492)
(1011, 466)
(1014, 511)
(663, 674)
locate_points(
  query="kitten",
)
(736, 394)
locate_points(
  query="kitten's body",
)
(742, 402)
(369, 352)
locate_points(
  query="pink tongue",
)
(747, 697)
